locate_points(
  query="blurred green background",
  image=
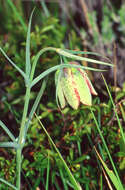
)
(86, 25)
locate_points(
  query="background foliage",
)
(83, 25)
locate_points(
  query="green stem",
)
(18, 167)
(22, 136)
(22, 130)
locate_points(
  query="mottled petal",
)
(69, 89)
(61, 96)
(83, 89)
(84, 74)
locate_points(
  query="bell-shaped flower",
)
(73, 87)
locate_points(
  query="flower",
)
(73, 86)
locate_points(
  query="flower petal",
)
(69, 89)
(83, 89)
(84, 74)
(60, 94)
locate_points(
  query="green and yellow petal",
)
(60, 94)
(83, 89)
(84, 74)
(69, 89)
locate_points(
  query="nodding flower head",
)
(73, 87)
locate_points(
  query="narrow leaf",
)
(69, 55)
(9, 144)
(107, 179)
(17, 68)
(52, 69)
(17, 14)
(48, 173)
(106, 148)
(7, 131)
(110, 173)
(122, 111)
(7, 183)
(28, 65)
(87, 52)
(117, 117)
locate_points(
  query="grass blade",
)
(7, 183)
(106, 177)
(72, 179)
(122, 111)
(47, 175)
(45, 9)
(106, 148)
(117, 117)
(17, 14)
(101, 182)
(63, 180)
(110, 173)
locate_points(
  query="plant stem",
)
(22, 129)
(18, 167)
(22, 137)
